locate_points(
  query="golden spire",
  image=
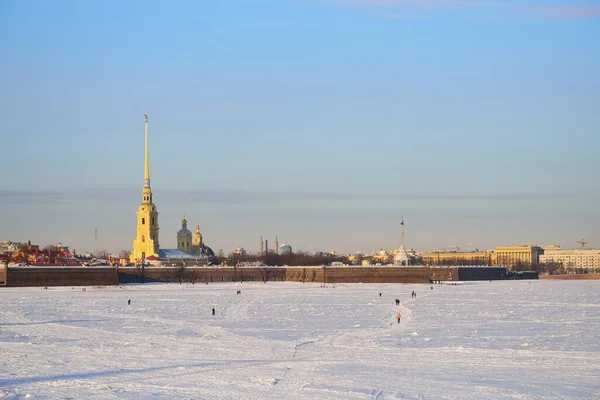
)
(147, 158)
(402, 233)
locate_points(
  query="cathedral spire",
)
(146, 158)
(147, 192)
(146, 242)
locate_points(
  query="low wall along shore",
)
(61, 276)
(100, 276)
(294, 274)
(90, 276)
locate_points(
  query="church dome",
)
(204, 250)
(184, 232)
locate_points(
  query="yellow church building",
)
(146, 241)
(146, 245)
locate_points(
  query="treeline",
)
(291, 259)
(553, 269)
(459, 261)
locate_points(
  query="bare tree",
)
(125, 254)
(103, 254)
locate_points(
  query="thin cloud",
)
(242, 196)
(500, 8)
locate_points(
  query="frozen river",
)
(285, 340)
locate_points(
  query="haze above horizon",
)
(322, 122)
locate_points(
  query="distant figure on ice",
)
(397, 302)
(379, 294)
(432, 288)
(129, 302)
(398, 316)
(239, 292)
(213, 310)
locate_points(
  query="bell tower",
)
(146, 241)
(197, 237)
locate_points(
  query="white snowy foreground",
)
(285, 340)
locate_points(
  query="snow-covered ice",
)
(286, 340)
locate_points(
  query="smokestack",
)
(266, 247)
(260, 251)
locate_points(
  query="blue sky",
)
(321, 122)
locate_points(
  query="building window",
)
(143, 238)
(152, 221)
(143, 221)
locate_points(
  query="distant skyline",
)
(321, 122)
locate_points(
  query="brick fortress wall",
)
(293, 274)
(60, 276)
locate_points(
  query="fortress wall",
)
(3, 269)
(304, 274)
(200, 274)
(377, 274)
(61, 276)
(88, 276)
(292, 274)
(444, 274)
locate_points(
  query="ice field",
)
(285, 340)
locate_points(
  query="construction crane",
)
(582, 242)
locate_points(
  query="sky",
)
(322, 122)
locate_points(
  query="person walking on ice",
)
(129, 302)
(213, 310)
(397, 302)
(398, 316)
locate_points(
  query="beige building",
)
(583, 258)
(381, 257)
(457, 257)
(509, 256)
